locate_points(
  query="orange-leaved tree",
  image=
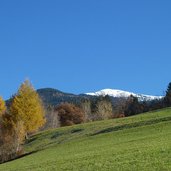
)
(69, 114)
(27, 107)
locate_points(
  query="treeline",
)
(100, 108)
(87, 110)
(133, 106)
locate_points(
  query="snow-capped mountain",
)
(123, 94)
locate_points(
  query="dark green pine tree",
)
(167, 99)
(133, 106)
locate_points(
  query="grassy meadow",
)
(141, 142)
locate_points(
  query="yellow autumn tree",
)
(27, 107)
(2, 106)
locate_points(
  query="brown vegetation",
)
(69, 114)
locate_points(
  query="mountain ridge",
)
(123, 94)
(52, 96)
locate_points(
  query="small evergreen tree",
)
(133, 106)
(27, 107)
(167, 98)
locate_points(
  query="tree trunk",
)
(26, 136)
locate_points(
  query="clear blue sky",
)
(80, 46)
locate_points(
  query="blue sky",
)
(81, 46)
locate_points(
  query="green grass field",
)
(137, 143)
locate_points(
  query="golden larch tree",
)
(27, 107)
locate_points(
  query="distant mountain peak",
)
(123, 94)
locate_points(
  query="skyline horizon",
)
(91, 91)
(96, 90)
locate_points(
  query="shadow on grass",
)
(30, 140)
(132, 125)
(56, 135)
(77, 130)
(21, 156)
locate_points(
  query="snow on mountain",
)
(124, 94)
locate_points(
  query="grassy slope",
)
(142, 142)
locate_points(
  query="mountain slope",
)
(54, 97)
(123, 94)
(141, 142)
